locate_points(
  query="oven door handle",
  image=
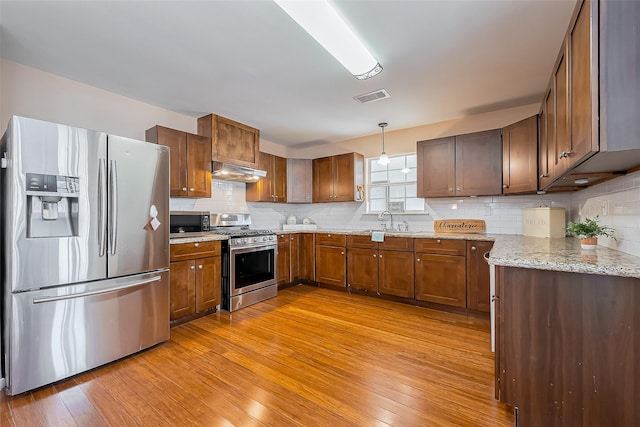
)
(247, 249)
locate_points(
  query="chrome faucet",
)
(381, 218)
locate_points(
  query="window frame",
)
(387, 185)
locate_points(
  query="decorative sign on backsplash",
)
(459, 226)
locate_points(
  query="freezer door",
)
(51, 217)
(56, 333)
(138, 205)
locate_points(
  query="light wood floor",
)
(311, 357)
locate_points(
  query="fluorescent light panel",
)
(322, 22)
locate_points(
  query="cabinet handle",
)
(341, 252)
(184, 188)
(544, 175)
(473, 248)
(418, 260)
(200, 267)
(450, 190)
(191, 189)
(196, 244)
(193, 267)
(438, 241)
(505, 186)
(459, 189)
(292, 239)
(380, 255)
(374, 255)
(328, 235)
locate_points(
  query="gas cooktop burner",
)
(240, 232)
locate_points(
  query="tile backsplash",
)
(617, 202)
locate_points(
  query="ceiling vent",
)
(376, 95)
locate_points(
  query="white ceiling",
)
(247, 60)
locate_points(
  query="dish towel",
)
(377, 236)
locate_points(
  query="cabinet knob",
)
(374, 255)
(292, 239)
(328, 235)
(450, 190)
(341, 252)
(184, 188)
(380, 255)
(196, 244)
(193, 267)
(505, 186)
(544, 175)
(438, 241)
(191, 189)
(200, 267)
(459, 188)
(418, 260)
(473, 248)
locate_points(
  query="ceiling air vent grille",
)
(376, 95)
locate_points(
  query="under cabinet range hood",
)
(231, 172)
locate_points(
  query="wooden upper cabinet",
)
(464, 165)
(190, 158)
(273, 187)
(583, 85)
(479, 163)
(547, 138)
(520, 157)
(563, 135)
(338, 178)
(231, 141)
(299, 180)
(436, 172)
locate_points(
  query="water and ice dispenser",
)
(52, 205)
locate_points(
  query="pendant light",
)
(384, 159)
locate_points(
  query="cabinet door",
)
(198, 165)
(208, 282)
(294, 250)
(306, 256)
(299, 180)
(343, 178)
(177, 142)
(479, 164)
(436, 167)
(441, 279)
(396, 273)
(231, 141)
(182, 279)
(520, 157)
(284, 260)
(478, 297)
(563, 142)
(279, 182)
(362, 268)
(262, 191)
(547, 144)
(331, 265)
(323, 180)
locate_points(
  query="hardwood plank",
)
(308, 357)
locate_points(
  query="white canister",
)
(291, 220)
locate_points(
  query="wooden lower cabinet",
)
(396, 273)
(362, 266)
(441, 279)
(195, 278)
(478, 298)
(283, 269)
(306, 257)
(331, 265)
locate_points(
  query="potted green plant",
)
(588, 231)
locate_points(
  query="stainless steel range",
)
(249, 261)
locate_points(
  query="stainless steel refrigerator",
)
(85, 250)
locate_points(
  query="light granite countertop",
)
(564, 254)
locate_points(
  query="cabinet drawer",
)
(330, 239)
(195, 250)
(441, 246)
(397, 244)
(361, 242)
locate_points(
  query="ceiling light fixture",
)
(322, 22)
(384, 159)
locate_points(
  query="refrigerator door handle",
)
(113, 204)
(98, 292)
(102, 207)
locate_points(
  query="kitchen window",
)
(393, 187)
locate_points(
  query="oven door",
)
(252, 268)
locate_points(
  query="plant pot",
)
(589, 243)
